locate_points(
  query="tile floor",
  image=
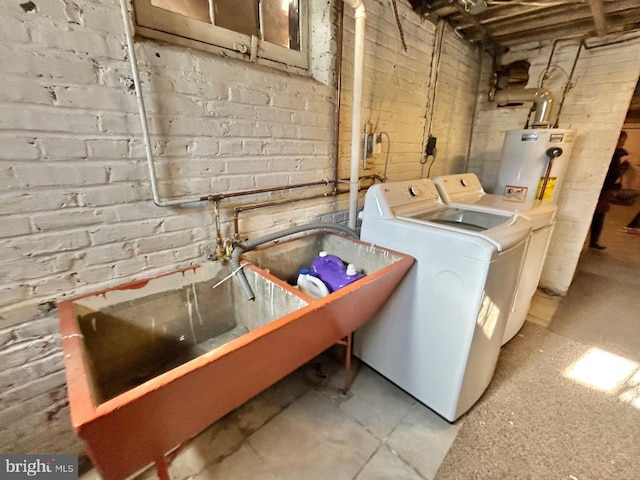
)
(304, 427)
(543, 307)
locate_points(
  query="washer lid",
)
(539, 213)
(502, 229)
(418, 201)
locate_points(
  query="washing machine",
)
(439, 335)
(465, 190)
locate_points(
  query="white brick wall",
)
(596, 107)
(397, 88)
(454, 103)
(76, 210)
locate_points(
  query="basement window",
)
(274, 30)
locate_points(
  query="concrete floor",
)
(304, 427)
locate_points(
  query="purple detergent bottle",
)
(333, 272)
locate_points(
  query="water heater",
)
(533, 163)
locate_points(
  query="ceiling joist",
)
(507, 23)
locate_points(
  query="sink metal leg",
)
(347, 362)
(162, 463)
(162, 468)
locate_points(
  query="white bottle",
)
(311, 286)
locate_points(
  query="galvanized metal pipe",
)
(143, 114)
(541, 97)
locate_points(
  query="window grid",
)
(186, 22)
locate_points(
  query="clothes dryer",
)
(439, 335)
(465, 189)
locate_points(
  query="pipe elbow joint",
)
(358, 6)
(234, 262)
(504, 97)
(543, 94)
(542, 98)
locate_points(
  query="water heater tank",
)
(525, 161)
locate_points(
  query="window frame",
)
(160, 24)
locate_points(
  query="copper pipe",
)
(545, 74)
(222, 196)
(254, 206)
(568, 86)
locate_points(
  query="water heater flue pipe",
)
(541, 97)
(358, 69)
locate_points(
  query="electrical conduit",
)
(358, 69)
(143, 115)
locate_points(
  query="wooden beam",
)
(599, 18)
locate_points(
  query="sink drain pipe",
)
(243, 247)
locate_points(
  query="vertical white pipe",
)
(143, 114)
(358, 69)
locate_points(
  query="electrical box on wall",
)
(368, 145)
(430, 149)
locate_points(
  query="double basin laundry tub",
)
(151, 364)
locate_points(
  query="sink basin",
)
(152, 363)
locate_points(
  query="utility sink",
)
(152, 363)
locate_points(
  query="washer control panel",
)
(462, 183)
(410, 192)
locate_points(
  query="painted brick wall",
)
(396, 91)
(595, 107)
(75, 199)
(76, 207)
(455, 99)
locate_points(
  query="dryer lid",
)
(473, 220)
(539, 213)
(465, 189)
